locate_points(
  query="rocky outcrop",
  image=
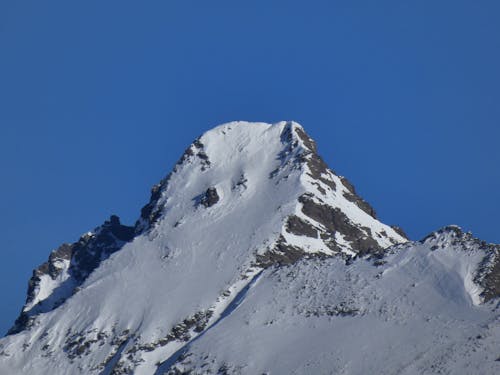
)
(353, 197)
(488, 273)
(68, 266)
(282, 253)
(322, 216)
(300, 227)
(491, 281)
(151, 212)
(210, 197)
(336, 221)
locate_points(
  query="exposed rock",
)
(241, 184)
(342, 309)
(319, 170)
(334, 220)
(308, 141)
(492, 281)
(488, 274)
(353, 197)
(201, 154)
(317, 167)
(90, 251)
(299, 227)
(281, 254)
(400, 231)
(210, 197)
(181, 332)
(151, 212)
(84, 256)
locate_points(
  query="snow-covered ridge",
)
(414, 310)
(481, 275)
(244, 201)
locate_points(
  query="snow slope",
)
(203, 279)
(414, 313)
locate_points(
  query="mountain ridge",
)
(82, 253)
(245, 200)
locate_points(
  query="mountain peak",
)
(244, 197)
(240, 161)
(263, 181)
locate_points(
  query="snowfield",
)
(411, 315)
(253, 257)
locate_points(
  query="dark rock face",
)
(63, 252)
(281, 254)
(299, 227)
(151, 212)
(210, 197)
(334, 220)
(300, 151)
(353, 197)
(400, 231)
(317, 167)
(319, 170)
(200, 153)
(84, 256)
(492, 280)
(88, 253)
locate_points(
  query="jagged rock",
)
(210, 197)
(282, 253)
(300, 227)
(492, 280)
(335, 220)
(353, 197)
(76, 261)
(400, 231)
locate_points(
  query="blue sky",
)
(99, 99)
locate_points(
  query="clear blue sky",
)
(98, 99)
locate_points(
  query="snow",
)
(49, 290)
(312, 317)
(411, 315)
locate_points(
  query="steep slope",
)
(243, 197)
(250, 235)
(69, 265)
(417, 310)
(67, 268)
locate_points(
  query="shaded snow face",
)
(68, 267)
(246, 202)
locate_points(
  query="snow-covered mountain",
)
(253, 257)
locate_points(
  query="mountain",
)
(254, 257)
